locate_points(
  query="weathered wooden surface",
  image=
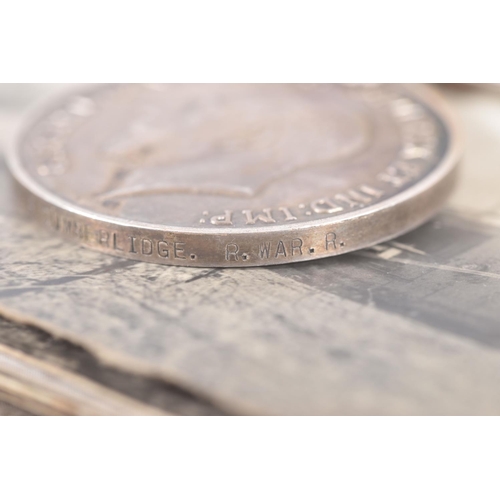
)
(9, 410)
(50, 390)
(410, 327)
(41, 351)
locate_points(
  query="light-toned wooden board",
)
(42, 388)
(71, 359)
(9, 410)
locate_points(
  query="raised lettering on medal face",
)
(195, 174)
(246, 154)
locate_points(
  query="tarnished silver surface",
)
(230, 175)
(408, 327)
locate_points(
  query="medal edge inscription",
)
(239, 248)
